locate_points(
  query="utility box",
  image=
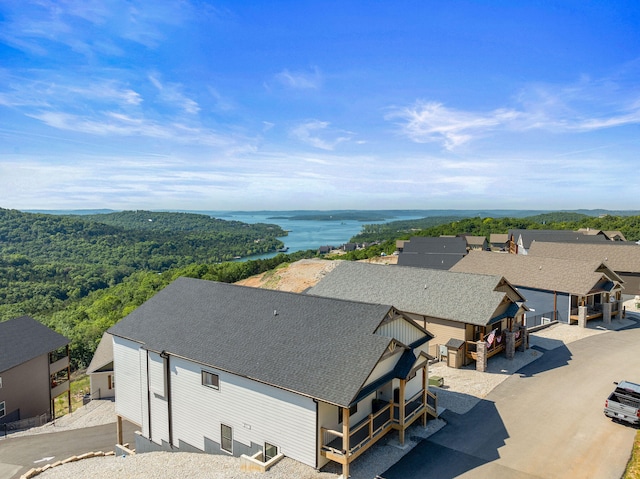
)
(436, 381)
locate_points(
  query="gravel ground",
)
(463, 389)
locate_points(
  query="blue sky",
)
(319, 105)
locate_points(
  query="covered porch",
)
(504, 333)
(345, 445)
(603, 305)
(497, 344)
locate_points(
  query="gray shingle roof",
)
(23, 339)
(440, 245)
(429, 260)
(103, 354)
(461, 297)
(548, 274)
(319, 347)
(619, 256)
(564, 236)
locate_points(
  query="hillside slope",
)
(299, 276)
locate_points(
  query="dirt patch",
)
(301, 275)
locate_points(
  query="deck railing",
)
(375, 425)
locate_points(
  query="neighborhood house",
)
(256, 373)
(100, 370)
(34, 370)
(472, 317)
(621, 257)
(568, 291)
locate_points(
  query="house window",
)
(226, 438)
(0, 382)
(210, 380)
(352, 410)
(112, 381)
(478, 332)
(3, 410)
(270, 451)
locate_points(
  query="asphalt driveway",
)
(19, 454)
(546, 421)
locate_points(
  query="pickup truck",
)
(623, 404)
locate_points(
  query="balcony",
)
(499, 344)
(368, 431)
(59, 387)
(59, 365)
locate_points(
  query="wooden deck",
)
(371, 429)
(496, 347)
(592, 313)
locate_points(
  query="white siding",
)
(130, 372)
(364, 409)
(256, 412)
(327, 418)
(156, 374)
(385, 366)
(158, 400)
(402, 330)
(100, 385)
(414, 385)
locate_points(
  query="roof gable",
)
(103, 355)
(547, 274)
(264, 335)
(619, 256)
(461, 297)
(23, 339)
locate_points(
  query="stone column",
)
(510, 344)
(481, 362)
(606, 313)
(582, 316)
(524, 345)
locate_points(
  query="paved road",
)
(18, 454)
(544, 422)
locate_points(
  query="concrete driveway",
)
(546, 421)
(19, 454)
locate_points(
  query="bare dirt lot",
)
(301, 275)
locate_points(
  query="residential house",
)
(556, 290)
(400, 245)
(463, 311)
(100, 370)
(476, 242)
(348, 247)
(498, 242)
(520, 240)
(433, 252)
(609, 235)
(34, 369)
(621, 257)
(229, 369)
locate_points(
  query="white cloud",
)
(581, 107)
(427, 122)
(171, 93)
(300, 80)
(318, 134)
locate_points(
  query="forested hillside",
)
(388, 233)
(49, 260)
(81, 274)
(83, 321)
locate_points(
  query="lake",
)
(305, 234)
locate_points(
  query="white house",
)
(228, 369)
(100, 370)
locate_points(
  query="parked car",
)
(623, 404)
